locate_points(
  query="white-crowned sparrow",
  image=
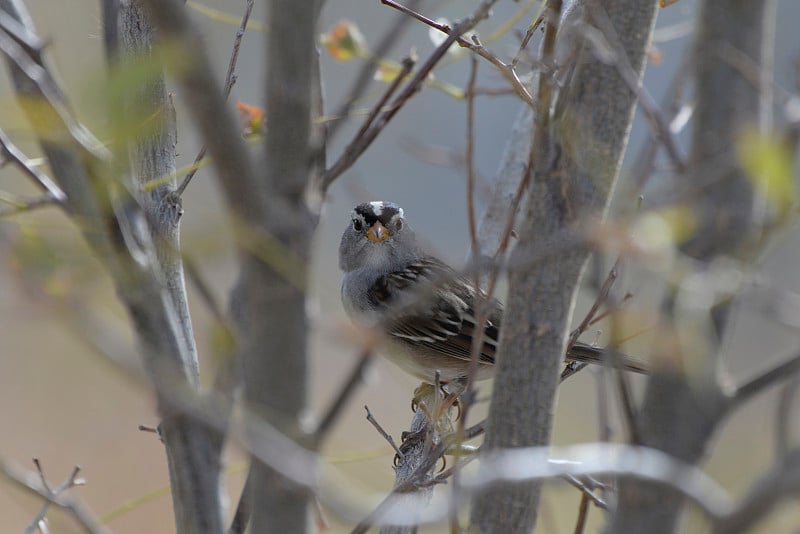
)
(426, 309)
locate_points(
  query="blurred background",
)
(61, 400)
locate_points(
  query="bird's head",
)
(377, 236)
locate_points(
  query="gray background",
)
(65, 405)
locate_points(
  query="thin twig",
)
(71, 481)
(110, 23)
(361, 81)
(585, 490)
(508, 231)
(644, 164)
(383, 433)
(525, 40)
(413, 483)
(42, 477)
(602, 297)
(206, 294)
(770, 377)
(480, 300)
(583, 513)
(475, 430)
(355, 378)
(508, 71)
(604, 430)
(493, 91)
(477, 339)
(628, 408)
(25, 481)
(545, 463)
(21, 205)
(10, 152)
(358, 145)
(614, 356)
(17, 46)
(601, 316)
(230, 80)
(783, 417)
(406, 65)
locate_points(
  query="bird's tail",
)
(581, 352)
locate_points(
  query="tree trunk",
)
(577, 159)
(683, 406)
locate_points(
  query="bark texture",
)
(192, 448)
(269, 298)
(577, 157)
(127, 238)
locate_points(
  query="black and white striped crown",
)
(378, 210)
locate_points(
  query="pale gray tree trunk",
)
(192, 448)
(269, 298)
(578, 155)
(272, 226)
(138, 244)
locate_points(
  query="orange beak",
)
(377, 233)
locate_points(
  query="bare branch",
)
(121, 235)
(508, 71)
(412, 87)
(503, 506)
(786, 370)
(783, 416)
(68, 483)
(597, 459)
(555, 463)
(201, 285)
(573, 177)
(361, 81)
(374, 422)
(481, 301)
(586, 491)
(230, 80)
(21, 205)
(526, 39)
(583, 513)
(357, 145)
(414, 471)
(205, 100)
(23, 48)
(600, 300)
(9, 151)
(110, 22)
(680, 412)
(643, 166)
(26, 481)
(353, 380)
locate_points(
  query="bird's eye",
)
(357, 225)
